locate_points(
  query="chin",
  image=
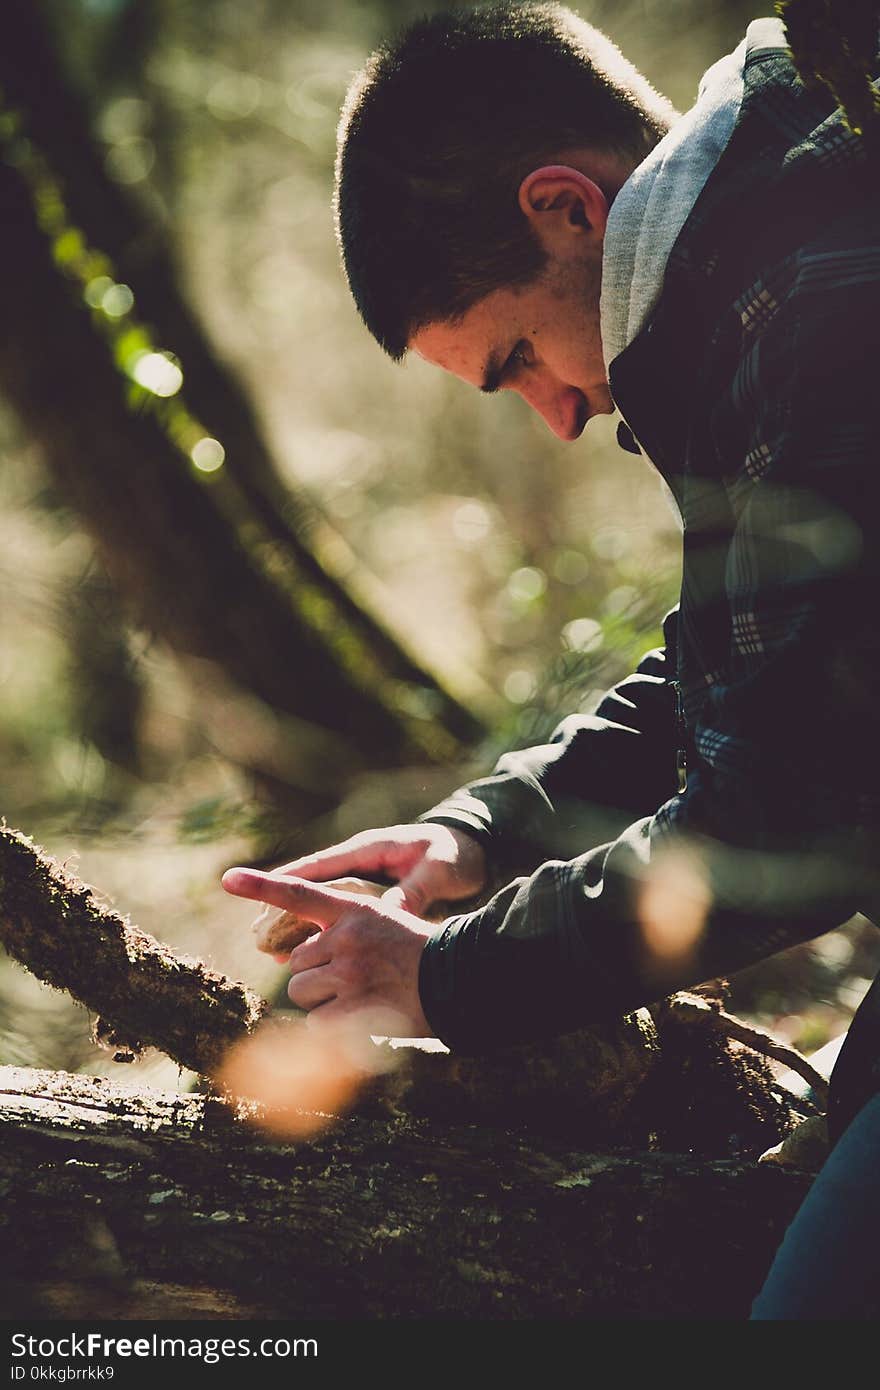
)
(585, 415)
(601, 402)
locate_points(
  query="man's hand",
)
(363, 962)
(431, 863)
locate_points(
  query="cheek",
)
(585, 346)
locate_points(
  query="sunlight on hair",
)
(673, 908)
(297, 1080)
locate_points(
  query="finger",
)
(313, 902)
(282, 931)
(309, 955)
(393, 897)
(358, 854)
(417, 890)
(312, 988)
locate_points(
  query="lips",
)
(582, 414)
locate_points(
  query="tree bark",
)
(148, 994)
(125, 1203)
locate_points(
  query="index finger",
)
(361, 853)
(312, 901)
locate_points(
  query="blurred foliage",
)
(539, 570)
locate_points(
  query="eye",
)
(521, 355)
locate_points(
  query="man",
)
(516, 205)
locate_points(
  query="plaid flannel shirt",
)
(752, 390)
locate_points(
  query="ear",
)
(561, 203)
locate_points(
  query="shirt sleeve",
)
(775, 838)
(593, 776)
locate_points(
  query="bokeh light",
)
(673, 909)
(300, 1080)
(96, 289)
(131, 160)
(157, 372)
(117, 300)
(208, 454)
(471, 523)
(520, 686)
(583, 635)
(527, 584)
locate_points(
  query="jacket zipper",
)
(680, 738)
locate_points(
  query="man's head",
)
(478, 155)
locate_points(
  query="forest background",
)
(524, 574)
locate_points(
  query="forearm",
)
(587, 940)
(774, 841)
(594, 776)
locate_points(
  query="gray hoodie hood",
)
(654, 203)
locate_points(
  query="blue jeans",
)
(828, 1265)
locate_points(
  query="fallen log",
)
(462, 1187)
(125, 1202)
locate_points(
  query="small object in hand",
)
(278, 932)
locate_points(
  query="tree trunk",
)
(212, 563)
(130, 1203)
(163, 535)
(34, 84)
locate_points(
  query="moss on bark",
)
(151, 996)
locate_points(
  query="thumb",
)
(416, 890)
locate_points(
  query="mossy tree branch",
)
(55, 926)
(674, 1084)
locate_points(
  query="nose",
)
(563, 409)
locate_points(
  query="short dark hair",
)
(436, 134)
